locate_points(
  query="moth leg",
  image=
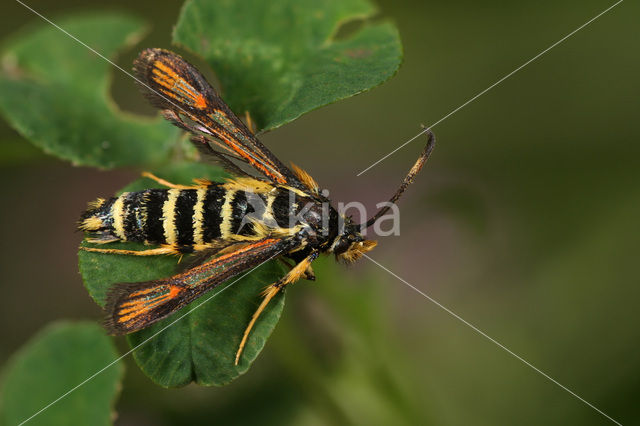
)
(164, 250)
(309, 275)
(270, 292)
(285, 263)
(249, 121)
(166, 183)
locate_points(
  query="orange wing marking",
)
(165, 76)
(132, 309)
(262, 163)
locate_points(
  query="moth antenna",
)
(422, 159)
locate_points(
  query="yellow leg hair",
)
(247, 117)
(308, 273)
(150, 252)
(269, 293)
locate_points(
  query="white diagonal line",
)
(102, 56)
(491, 339)
(88, 379)
(494, 85)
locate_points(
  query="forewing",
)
(190, 102)
(133, 306)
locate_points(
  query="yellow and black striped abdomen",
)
(186, 218)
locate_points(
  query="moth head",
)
(351, 245)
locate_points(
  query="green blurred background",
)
(524, 223)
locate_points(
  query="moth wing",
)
(134, 306)
(188, 100)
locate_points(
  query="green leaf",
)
(279, 60)
(55, 93)
(55, 361)
(201, 346)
